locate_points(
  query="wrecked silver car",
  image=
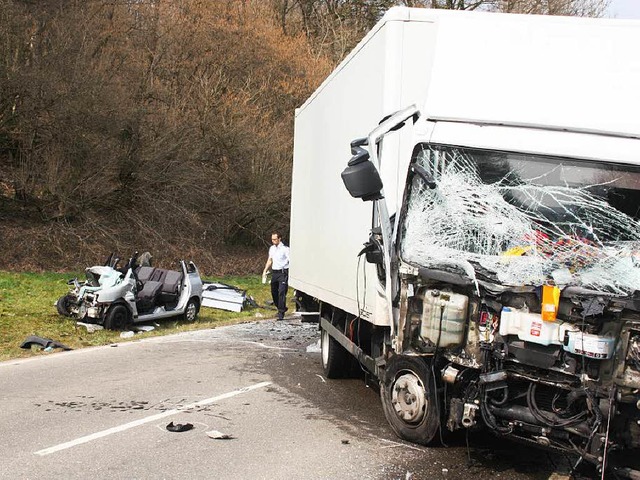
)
(117, 297)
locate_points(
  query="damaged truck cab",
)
(498, 285)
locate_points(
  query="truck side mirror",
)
(361, 177)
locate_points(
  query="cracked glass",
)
(518, 219)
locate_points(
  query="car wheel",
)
(117, 317)
(191, 310)
(335, 359)
(63, 305)
(409, 399)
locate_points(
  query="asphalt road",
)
(102, 413)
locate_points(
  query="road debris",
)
(314, 348)
(216, 435)
(223, 297)
(179, 427)
(143, 328)
(44, 343)
(321, 378)
(91, 327)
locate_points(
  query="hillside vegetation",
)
(165, 125)
(162, 126)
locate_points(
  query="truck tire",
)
(335, 359)
(117, 317)
(409, 399)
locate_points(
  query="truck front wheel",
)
(335, 359)
(409, 399)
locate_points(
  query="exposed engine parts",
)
(569, 383)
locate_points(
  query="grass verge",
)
(27, 307)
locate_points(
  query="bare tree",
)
(162, 124)
(579, 8)
(334, 27)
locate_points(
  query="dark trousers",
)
(279, 286)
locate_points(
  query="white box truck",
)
(489, 275)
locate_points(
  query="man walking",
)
(278, 262)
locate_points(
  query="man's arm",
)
(267, 266)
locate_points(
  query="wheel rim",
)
(120, 319)
(191, 312)
(324, 347)
(408, 397)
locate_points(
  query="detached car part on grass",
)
(116, 297)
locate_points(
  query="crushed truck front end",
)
(519, 281)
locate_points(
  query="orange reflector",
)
(550, 302)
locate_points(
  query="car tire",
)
(409, 399)
(63, 305)
(191, 310)
(117, 317)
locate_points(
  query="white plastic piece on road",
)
(215, 434)
(127, 334)
(314, 348)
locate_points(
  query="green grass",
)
(27, 307)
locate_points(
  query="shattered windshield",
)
(518, 219)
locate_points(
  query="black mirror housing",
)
(362, 179)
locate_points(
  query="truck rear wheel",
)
(409, 399)
(335, 359)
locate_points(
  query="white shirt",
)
(279, 256)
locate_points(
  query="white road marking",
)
(267, 346)
(142, 421)
(396, 444)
